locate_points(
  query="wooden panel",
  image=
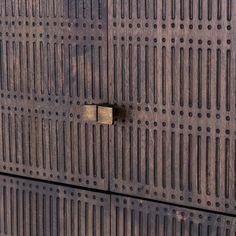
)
(52, 61)
(36, 208)
(136, 217)
(172, 80)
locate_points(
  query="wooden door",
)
(167, 166)
(172, 71)
(53, 58)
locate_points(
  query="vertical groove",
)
(146, 74)
(229, 10)
(78, 77)
(70, 69)
(123, 140)
(181, 9)
(155, 74)
(115, 72)
(181, 76)
(124, 222)
(116, 151)
(163, 76)
(131, 153)
(94, 149)
(139, 165)
(79, 148)
(164, 159)
(191, 9)
(100, 72)
(155, 164)
(173, 75)
(130, 72)
(208, 165)
(199, 77)
(64, 155)
(219, 9)
(173, 9)
(208, 85)
(102, 156)
(181, 162)
(139, 73)
(163, 9)
(50, 140)
(209, 10)
(1, 65)
(190, 77)
(218, 79)
(147, 144)
(123, 65)
(86, 133)
(228, 80)
(217, 167)
(85, 72)
(190, 161)
(72, 147)
(227, 166)
(173, 160)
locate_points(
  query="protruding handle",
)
(98, 113)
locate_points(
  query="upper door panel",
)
(172, 77)
(53, 60)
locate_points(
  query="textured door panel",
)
(136, 217)
(53, 60)
(172, 73)
(35, 208)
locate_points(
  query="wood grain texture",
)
(172, 72)
(36, 208)
(131, 217)
(53, 57)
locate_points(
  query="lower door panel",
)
(133, 217)
(36, 208)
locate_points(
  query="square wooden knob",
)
(89, 113)
(105, 115)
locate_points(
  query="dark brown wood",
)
(165, 69)
(53, 60)
(136, 217)
(172, 72)
(36, 208)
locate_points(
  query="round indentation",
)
(199, 41)
(200, 27)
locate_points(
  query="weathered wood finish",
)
(166, 68)
(172, 71)
(36, 208)
(53, 58)
(136, 217)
